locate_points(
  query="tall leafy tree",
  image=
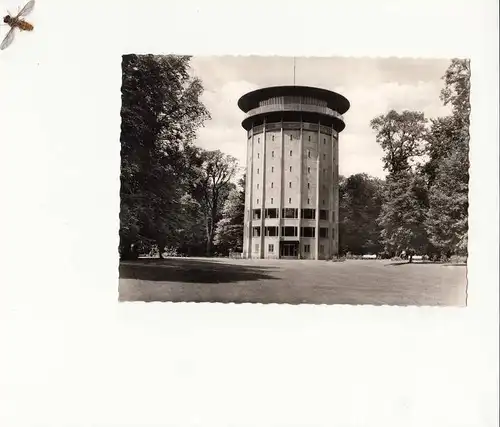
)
(229, 231)
(218, 169)
(161, 111)
(448, 166)
(403, 213)
(402, 136)
(360, 206)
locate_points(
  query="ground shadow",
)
(192, 271)
(261, 282)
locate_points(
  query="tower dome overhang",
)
(294, 103)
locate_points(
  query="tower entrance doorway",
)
(289, 250)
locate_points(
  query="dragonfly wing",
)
(28, 7)
(8, 39)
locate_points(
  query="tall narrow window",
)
(323, 202)
(290, 152)
(272, 200)
(258, 201)
(272, 168)
(290, 184)
(258, 186)
(290, 168)
(308, 154)
(309, 138)
(308, 201)
(258, 140)
(272, 184)
(324, 156)
(272, 138)
(258, 171)
(308, 170)
(289, 200)
(258, 155)
(272, 153)
(308, 185)
(291, 137)
(324, 140)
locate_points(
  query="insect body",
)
(17, 22)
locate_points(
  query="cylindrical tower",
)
(291, 195)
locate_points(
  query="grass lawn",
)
(372, 282)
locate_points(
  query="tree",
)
(448, 166)
(192, 234)
(401, 136)
(442, 137)
(446, 220)
(360, 206)
(456, 91)
(218, 170)
(161, 112)
(450, 133)
(403, 213)
(229, 231)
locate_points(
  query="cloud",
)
(224, 132)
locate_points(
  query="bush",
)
(458, 259)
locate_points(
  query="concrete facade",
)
(291, 197)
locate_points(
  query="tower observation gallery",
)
(292, 187)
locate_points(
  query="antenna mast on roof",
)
(294, 70)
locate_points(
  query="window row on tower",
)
(307, 248)
(291, 232)
(308, 127)
(291, 138)
(292, 213)
(291, 154)
(323, 186)
(308, 202)
(291, 169)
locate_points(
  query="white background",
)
(70, 355)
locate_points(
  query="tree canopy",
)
(360, 199)
(448, 168)
(161, 112)
(425, 200)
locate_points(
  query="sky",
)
(373, 86)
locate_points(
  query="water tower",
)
(292, 202)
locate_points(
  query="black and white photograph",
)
(240, 214)
(294, 180)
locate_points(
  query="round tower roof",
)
(334, 100)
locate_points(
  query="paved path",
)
(292, 281)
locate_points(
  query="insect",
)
(17, 22)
